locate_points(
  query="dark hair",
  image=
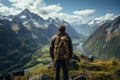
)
(61, 28)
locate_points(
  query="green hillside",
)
(105, 42)
(97, 70)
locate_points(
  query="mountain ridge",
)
(105, 41)
(22, 35)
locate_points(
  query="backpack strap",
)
(58, 38)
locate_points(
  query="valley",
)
(41, 57)
(24, 46)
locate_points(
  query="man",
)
(61, 51)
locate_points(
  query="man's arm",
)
(51, 49)
(70, 47)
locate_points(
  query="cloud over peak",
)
(86, 12)
(36, 6)
(39, 7)
(107, 16)
(45, 11)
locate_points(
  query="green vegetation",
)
(42, 58)
(39, 59)
(103, 44)
(97, 70)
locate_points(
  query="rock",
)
(51, 65)
(18, 73)
(74, 57)
(40, 77)
(44, 77)
(36, 77)
(117, 72)
(73, 65)
(89, 58)
(82, 56)
(80, 77)
(75, 74)
(7, 77)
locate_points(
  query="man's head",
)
(61, 28)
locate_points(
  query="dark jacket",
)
(53, 42)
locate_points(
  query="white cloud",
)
(47, 11)
(69, 18)
(1, 4)
(39, 7)
(102, 19)
(5, 10)
(107, 16)
(30, 4)
(86, 12)
(91, 23)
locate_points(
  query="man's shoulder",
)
(54, 36)
(60, 34)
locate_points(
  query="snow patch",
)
(24, 23)
(38, 25)
(10, 19)
(34, 36)
(27, 25)
(23, 17)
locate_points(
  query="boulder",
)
(73, 65)
(87, 57)
(75, 57)
(18, 73)
(117, 72)
(80, 77)
(44, 77)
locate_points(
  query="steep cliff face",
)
(105, 41)
(8, 38)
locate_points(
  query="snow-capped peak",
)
(26, 11)
(23, 16)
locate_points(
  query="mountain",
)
(105, 41)
(23, 34)
(17, 45)
(85, 29)
(8, 38)
(69, 29)
(88, 28)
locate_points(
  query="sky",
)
(70, 10)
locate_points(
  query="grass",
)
(97, 70)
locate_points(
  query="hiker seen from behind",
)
(61, 51)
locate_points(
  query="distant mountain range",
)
(105, 41)
(88, 28)
(22, 34)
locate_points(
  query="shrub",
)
(114, 61)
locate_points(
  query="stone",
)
(44, 77)
(117, 72)
(75, 57)
(73, 65)
(80, 77)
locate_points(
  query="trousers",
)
(64, 65)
